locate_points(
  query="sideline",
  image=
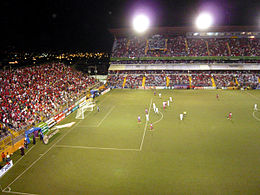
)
(13, 192)
(24, 155)
(40, 156)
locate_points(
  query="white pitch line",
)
(87, 126)
(39, 159)
(141, 146)
(13, 192)
(253, 95)
(255, 116)
(41, 156)
(96, 148)
(23, 155)
(105, 116)
(159, 119)
(20, 159)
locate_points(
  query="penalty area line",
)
(106, 116)
(96, 148)
(255, 116)
(141, 146)
(159, 119)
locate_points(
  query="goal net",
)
(83, 109)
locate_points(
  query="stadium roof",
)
(127, 31)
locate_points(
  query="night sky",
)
(84, 24)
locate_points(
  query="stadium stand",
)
(183, 46)
(32, 94)
(181, 58)
(183, 78)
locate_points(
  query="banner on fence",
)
(160, 87)
(59, 117)
(209, 87)
(181, 86)
(106, 91)
(6, 168)
(51, 122)
(44, 127)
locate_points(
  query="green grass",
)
(113, 154)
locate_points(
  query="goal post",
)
(88, 107)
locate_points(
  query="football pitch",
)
(109, 152)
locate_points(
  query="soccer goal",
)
(83, 109)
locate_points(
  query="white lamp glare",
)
(204, 21)
(141, 23)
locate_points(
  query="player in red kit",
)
(217, 96)
(164, 105)
(151, 126)
(230, 116)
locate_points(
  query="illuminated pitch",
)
(141, 23)
(204, 21)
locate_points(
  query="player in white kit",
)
(181, 117)
(147, 117)
(255, 108)
(154, 107)
(170, 99)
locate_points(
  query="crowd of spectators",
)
(193, 78)
(133, 81)
(29, 95)
(218, 47)
(179, 79)
(197, 47)
(155, 80)
(201, 80)
(115, 80)
(176, 46)
(130, 48)
(171, 46)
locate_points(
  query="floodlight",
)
(204, 21)
(141, 23)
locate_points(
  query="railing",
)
(5, 142)
(188, 58)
